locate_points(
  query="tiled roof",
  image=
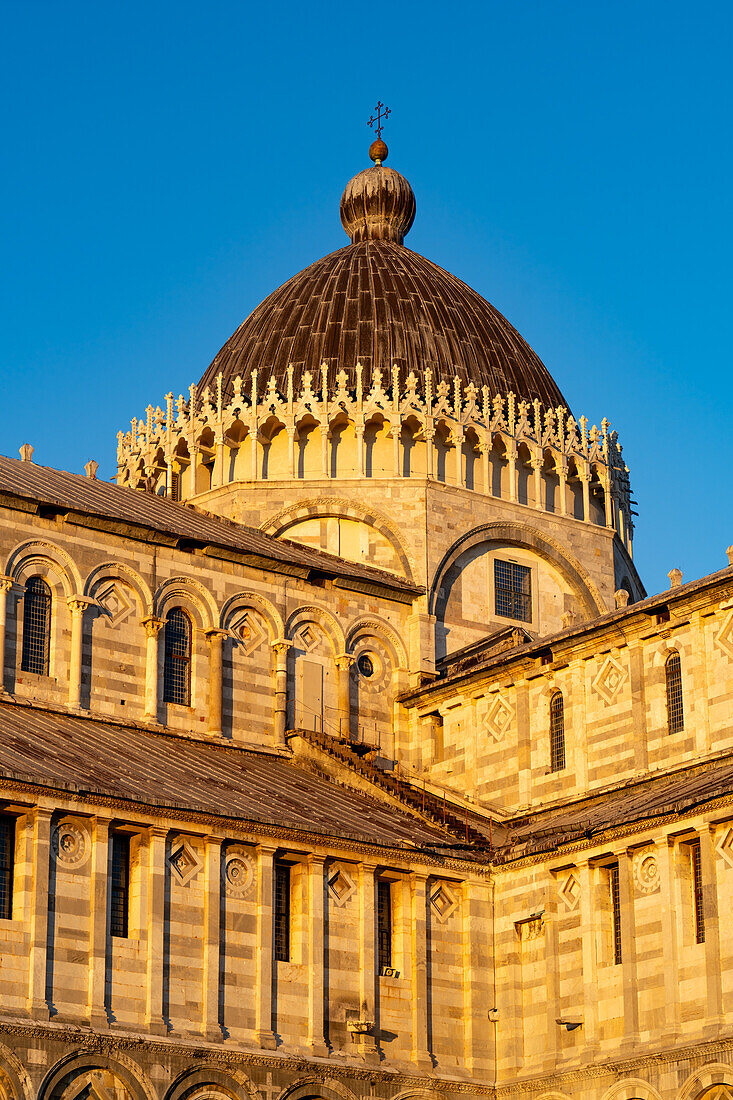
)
(90, 757)
(44, 486)
(378, 303)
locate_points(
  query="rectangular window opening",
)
(384, 924)
(613, 883)
(697, 892)
(120, 886)
(7, 854)
(513, 590)
(282, 912)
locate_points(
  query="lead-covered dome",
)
(378, 303)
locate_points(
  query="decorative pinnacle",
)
(379, 115)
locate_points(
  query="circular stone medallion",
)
(70, 843)
(646, 871)
(238, 874)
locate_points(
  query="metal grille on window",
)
(513, 590)
(384, 924)
(697, 892)
(120, 885)
(36, 626)
(282, 912)
(175, 485)
(7, 852)
(675, 706)
(557, 732)
(616, 911)
(177, 666)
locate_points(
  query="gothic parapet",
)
(489, 443)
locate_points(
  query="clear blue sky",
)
(167, 165)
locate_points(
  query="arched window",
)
(36, 626)
(557, 732)
(177, 664)
(675, 707)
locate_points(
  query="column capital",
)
(314, 860)
(78, 604)
(152, 626)
(6, 583)
(344, 660)
(281, 645)
(216, 632)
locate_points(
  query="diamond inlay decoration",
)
(724, 637)
(250, 632)
(610, 679)
(443, 901)
(498, 718)
(724, 846)
(185, 861)
(569, 891)
(308, 638)
(116, 605)
(341, 886)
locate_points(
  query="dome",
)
(378, 303)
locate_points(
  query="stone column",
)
(477, 966)
(562, 473)
(291, 452)
(395, 433)
(588, 924)
(6, 583)
(458, 438)
(537, 471)
(254, 472)
(367, 943)
(359, 432)
(155, 931)
(76, 606)
(584, 476)
(552, 980)
(152, 628)
(419, 966)
(98, 924)
(512, 460)
(325, 437)
(217, 474)
(280, 713)
(212, 919)
(713, 966)
(38, 922)
(608, 501)
(429, 455)
(668, 882)
(316, 865)
(216, 640)
(265, 903)
(343, 664)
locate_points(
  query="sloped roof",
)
(86, 756)
(159, 516)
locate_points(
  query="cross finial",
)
(379, 118)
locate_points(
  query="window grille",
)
(513, 590)
(36, 626)
(615, 911)
(675, 707)
(282, 912)
(557, 732)
(120, 885)
(697, 892)
(175, 485)
(177, 665)
(7, 854)
(384, 924)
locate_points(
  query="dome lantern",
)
(378, 204)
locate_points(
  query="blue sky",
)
(167, 165)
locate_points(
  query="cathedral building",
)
(343, 754)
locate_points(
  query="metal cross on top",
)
(379, 117)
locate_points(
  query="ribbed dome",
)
(378, 303)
